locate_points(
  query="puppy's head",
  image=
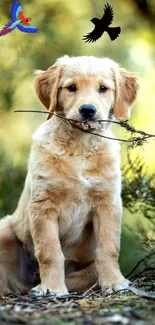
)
(87, 88)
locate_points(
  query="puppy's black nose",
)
(87, 111)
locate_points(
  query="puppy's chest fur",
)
(80, 181)
(75, 209)
(77, 179)
(83, 173)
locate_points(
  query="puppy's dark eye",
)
(72, 88)
(103, 89)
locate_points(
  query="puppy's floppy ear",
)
(125, 93)
(46, 87)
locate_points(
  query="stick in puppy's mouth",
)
(82, 125)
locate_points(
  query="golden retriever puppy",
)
(68, 220)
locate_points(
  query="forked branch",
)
(132, 140)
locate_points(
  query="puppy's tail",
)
(113, 32)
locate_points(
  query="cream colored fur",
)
(70, 210)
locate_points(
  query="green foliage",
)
(138, 195)
(138, 191)
(11, 184)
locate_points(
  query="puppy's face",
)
(86, 96)
(87, 88)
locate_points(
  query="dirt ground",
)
(135, 307)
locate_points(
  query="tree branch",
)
(84, 126)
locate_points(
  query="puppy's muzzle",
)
(87, 111)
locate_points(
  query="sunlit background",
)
(61, 25)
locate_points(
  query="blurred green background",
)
(61, 25)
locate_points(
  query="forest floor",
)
(135, 307)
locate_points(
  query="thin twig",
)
(139, 262)
(142, 293)
(124, 124)
(144, 284)
(43, 112)
(85, 294)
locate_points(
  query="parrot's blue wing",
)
(27, 28)
(15, 10)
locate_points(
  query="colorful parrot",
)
(18, 20)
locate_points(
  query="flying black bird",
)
(102, 25)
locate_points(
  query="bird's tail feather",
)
(6, 29)
(113, 32)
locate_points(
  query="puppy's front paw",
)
(114, 287)
(41, 289)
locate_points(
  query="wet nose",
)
(87, 111)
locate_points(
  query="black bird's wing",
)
(108, 15)
(93, 36)
(101, 25)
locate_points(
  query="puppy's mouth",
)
(88, 125)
